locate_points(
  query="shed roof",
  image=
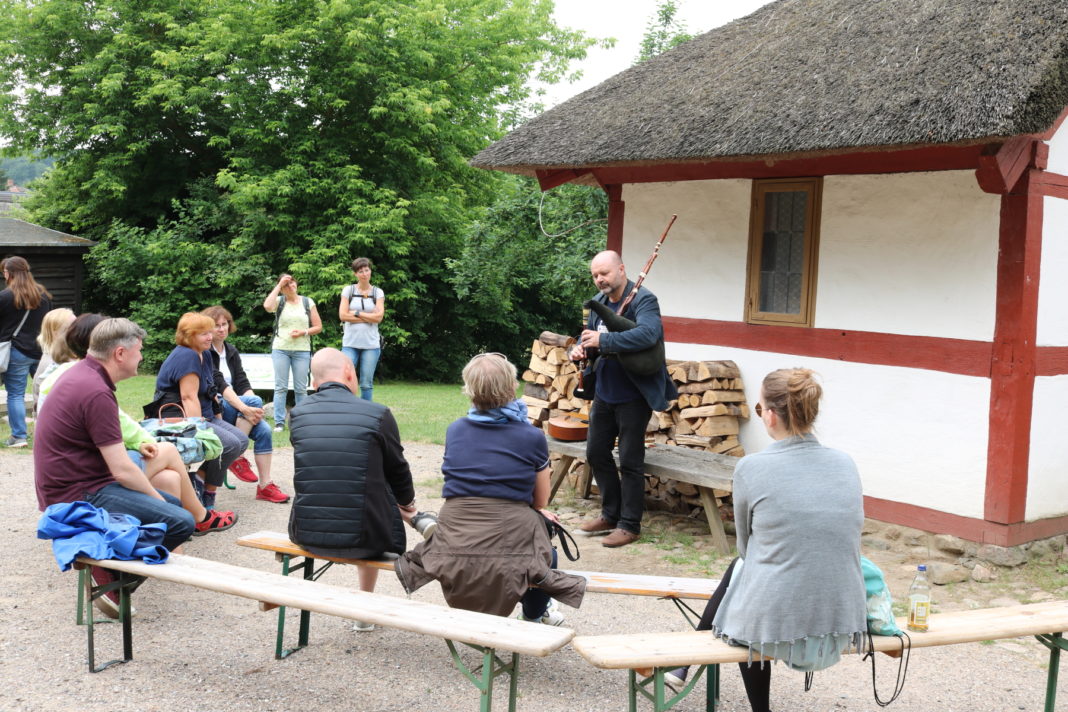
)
(19, 233)
(803, 76)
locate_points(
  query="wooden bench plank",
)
(403, 614)
(652, 650)
(597, 582)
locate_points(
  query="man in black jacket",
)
(353, 486)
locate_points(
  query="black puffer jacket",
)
(350, 473)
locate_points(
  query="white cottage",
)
(877, 190)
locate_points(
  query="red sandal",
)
(216, 521)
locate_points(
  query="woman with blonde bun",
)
(795, 593)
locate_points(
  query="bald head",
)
(609, 274)
(332, 365)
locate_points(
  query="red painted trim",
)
(1051, 361)
(978, 530)
(1000, 168)
(959, 356)
(1053, 185)
(616, 208)
(932, 158)
(550, 179)
(1013, 356)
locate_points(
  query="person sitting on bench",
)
(795, 593)
(492, 543)
(349, 472)
(78, 453)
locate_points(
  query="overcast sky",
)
(626, 21)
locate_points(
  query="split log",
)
(540, 365)
(725, 445)
(550, 339)
(535, 391)
(718, 425)
(535, 403)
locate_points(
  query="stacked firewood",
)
(549, 384)
(705, 416)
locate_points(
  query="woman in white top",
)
(361, 310)
(296, 321)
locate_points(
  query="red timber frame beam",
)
(1011, 171)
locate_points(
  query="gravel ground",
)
(199, 650)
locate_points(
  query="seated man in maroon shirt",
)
(78, 454)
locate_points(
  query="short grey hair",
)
(489, 381)
(110, 334)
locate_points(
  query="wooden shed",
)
(55, 258)
(877, 190)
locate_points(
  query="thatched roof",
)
(801, 76)
(19, 233)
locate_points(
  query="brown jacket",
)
(486, 553)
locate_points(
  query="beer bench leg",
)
(492, 666)
(659, 690)
(87, 593)
(310, 574)
(1056, 644)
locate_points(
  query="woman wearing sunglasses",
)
(795, 593)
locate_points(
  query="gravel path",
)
(195, 650)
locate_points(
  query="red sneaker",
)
(242, 470)
(271, 493)
(216, 522)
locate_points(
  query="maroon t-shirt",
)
(81, 416)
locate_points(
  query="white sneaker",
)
(551, 616)
(362, 627)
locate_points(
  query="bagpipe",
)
(640, 363)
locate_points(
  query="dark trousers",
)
(756, 677)
(622, 490)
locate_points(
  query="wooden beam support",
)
(549, 179)
(1001, 167)
(616, 208)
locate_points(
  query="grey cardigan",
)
(798, 510)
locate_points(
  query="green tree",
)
(209, 146)
(663, 31)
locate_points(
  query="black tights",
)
(756, 677)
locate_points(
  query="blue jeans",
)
(260, 433)
(284, 362)
(18, 370)
(234, 443)
(364, 361)
(120, 500)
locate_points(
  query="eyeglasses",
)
(492, 353)
(759, 410)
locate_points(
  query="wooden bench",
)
(486, 633)
(670, 587)
(705, 470)
(665, 651)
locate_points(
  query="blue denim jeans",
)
(14, 378)
(364, 361)
(535, 602)
(120, 500)
(297, 362)
(260, 433)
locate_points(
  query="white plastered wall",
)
(1047, 485)
(700, 272)
(910, 253)
(894, 422)
(1053, 279)
(1058, 151)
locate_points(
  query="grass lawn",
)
(422, 410)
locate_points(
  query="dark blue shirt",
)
(496, 460)
(613, 384)
(181, 362)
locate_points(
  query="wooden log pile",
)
(549, 384)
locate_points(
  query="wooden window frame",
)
(761, 187)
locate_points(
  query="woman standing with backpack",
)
(361, 310)
(296, 320)
(23, 304)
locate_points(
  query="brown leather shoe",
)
(619, 537)
(597, 526)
